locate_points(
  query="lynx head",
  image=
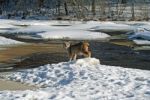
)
(67, 45)
(86, 43)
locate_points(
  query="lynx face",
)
(81, 48)
(67, 45)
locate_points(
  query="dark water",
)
(109, 54)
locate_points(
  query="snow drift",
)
(82, 79)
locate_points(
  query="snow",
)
(73, 35)
(141, 36)
(77, 30)
(110, 26)
(6, 41)
(141, 42)
(52, 29)
(146, 26)
(82, 79)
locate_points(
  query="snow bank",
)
(38, 22)
(5, 41)
(141, 42)
(98, 26)
(141, 33)
(52, 29)
(141, 36)
(75, 30)
(146, 26)
(82, 79)
(69, 29)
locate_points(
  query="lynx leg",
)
(74, 57)
(71, 57)
(89, 54)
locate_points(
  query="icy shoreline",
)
(73, 30)
(6, 42)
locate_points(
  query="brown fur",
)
(81, 48)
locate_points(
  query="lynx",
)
(81, 48)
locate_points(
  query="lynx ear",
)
(66, 44)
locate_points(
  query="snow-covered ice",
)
(141, 42)
(77, 30)
(82, 79)
(73, 35)
(141, 36)
(52, 29)
(6, 41)
(61, 29)
(111, 26)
